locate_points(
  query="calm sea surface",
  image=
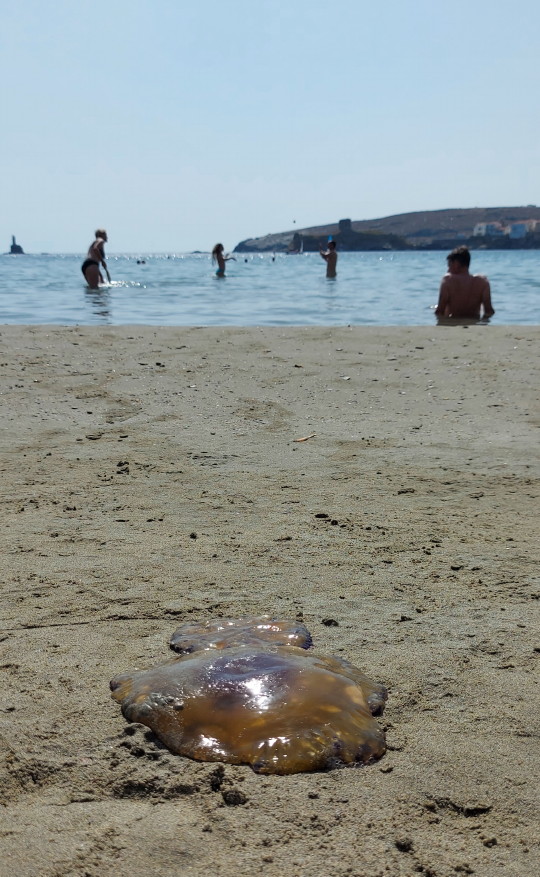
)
(372, 289)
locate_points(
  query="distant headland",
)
(493, 228)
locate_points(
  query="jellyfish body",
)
(275, 707)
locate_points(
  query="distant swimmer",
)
(95, 258)
(330, 257)
(463, 296)
(217, 256)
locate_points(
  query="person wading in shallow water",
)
(217, 256)
(330, 257)
(463, 296)
(95, 258)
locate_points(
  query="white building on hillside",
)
(489, 229)
(514, 230)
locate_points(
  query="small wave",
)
(124, 284)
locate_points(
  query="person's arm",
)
(103, 262)
(444, 299)
(101, 250)
(486, 301)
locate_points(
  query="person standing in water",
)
(330, 257)
(462, 296)
(217, 256)
(95, 258)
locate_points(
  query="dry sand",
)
(151, 477)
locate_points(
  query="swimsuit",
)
(220, 272)
(86, 264)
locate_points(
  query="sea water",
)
(371, 289)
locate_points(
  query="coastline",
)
(151, 476)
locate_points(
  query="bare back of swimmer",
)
(463, 295)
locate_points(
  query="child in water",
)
(217, 256)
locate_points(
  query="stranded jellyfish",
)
(226, 632)
(248, 692)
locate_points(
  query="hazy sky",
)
(175, 125)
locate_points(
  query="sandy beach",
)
(151, 477)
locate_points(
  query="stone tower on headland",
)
(16, 249)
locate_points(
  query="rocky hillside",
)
(421, 228)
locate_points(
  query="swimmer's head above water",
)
(459, 257)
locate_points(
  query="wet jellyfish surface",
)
(222, 633)
(241, 693)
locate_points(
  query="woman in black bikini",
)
(95, 257)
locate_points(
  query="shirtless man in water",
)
(95, 257)
(330, 257)
(463, 296)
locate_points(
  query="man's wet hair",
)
(461, 255)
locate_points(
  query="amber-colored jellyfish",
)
(222, 633)
(241, 694)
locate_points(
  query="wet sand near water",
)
(152, 476)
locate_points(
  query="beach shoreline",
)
(152, 476)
